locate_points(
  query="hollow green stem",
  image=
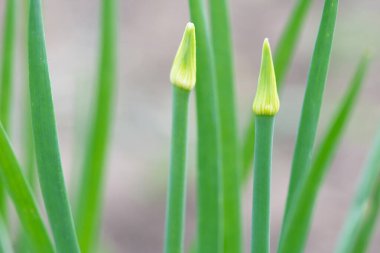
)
(312, 101)
(295, 232)
(209, 179)
(45, 137)
(283, 56)
(265, 106)
(175, 210)
(22, 197)
(88, 206)
(230, 162)
(362, 217)
(261, 185)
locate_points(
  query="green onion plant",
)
(204, 62)
(182, 76)
(283, 55)
(265, 106)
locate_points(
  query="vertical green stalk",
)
(182, 76)
(282, 60)
(295, 233)
(361, 220)
(22, 197)
(261, 185)
(230, 164)
(312, 101)
(89, 200)
(175, 210)
(265, 106)
(209, 208)
(6, 76)
(45, 137)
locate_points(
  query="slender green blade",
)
(312, 101)
(45, 137)
(282, 59)
(295, 232)
(361, 220)
(209, 176)
(6, 76)
(230, 164)
(19, 191)
(91, 184)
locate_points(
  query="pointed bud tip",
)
(183, 72)
(190, 27)
(266, 101)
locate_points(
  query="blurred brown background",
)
(149, 34)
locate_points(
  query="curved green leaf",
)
(300, 215)
(45, 137)
(22, 197)
(312, 104)
(360, 223)
(89, 199)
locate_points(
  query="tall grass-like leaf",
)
(22, 197)
(282, 59)
(6, 76)
(230, 160)
(312, 102)
(296, 231)
(208, 156)
(45, 137)
(89, 200)
(361, 220)
(265, 106)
